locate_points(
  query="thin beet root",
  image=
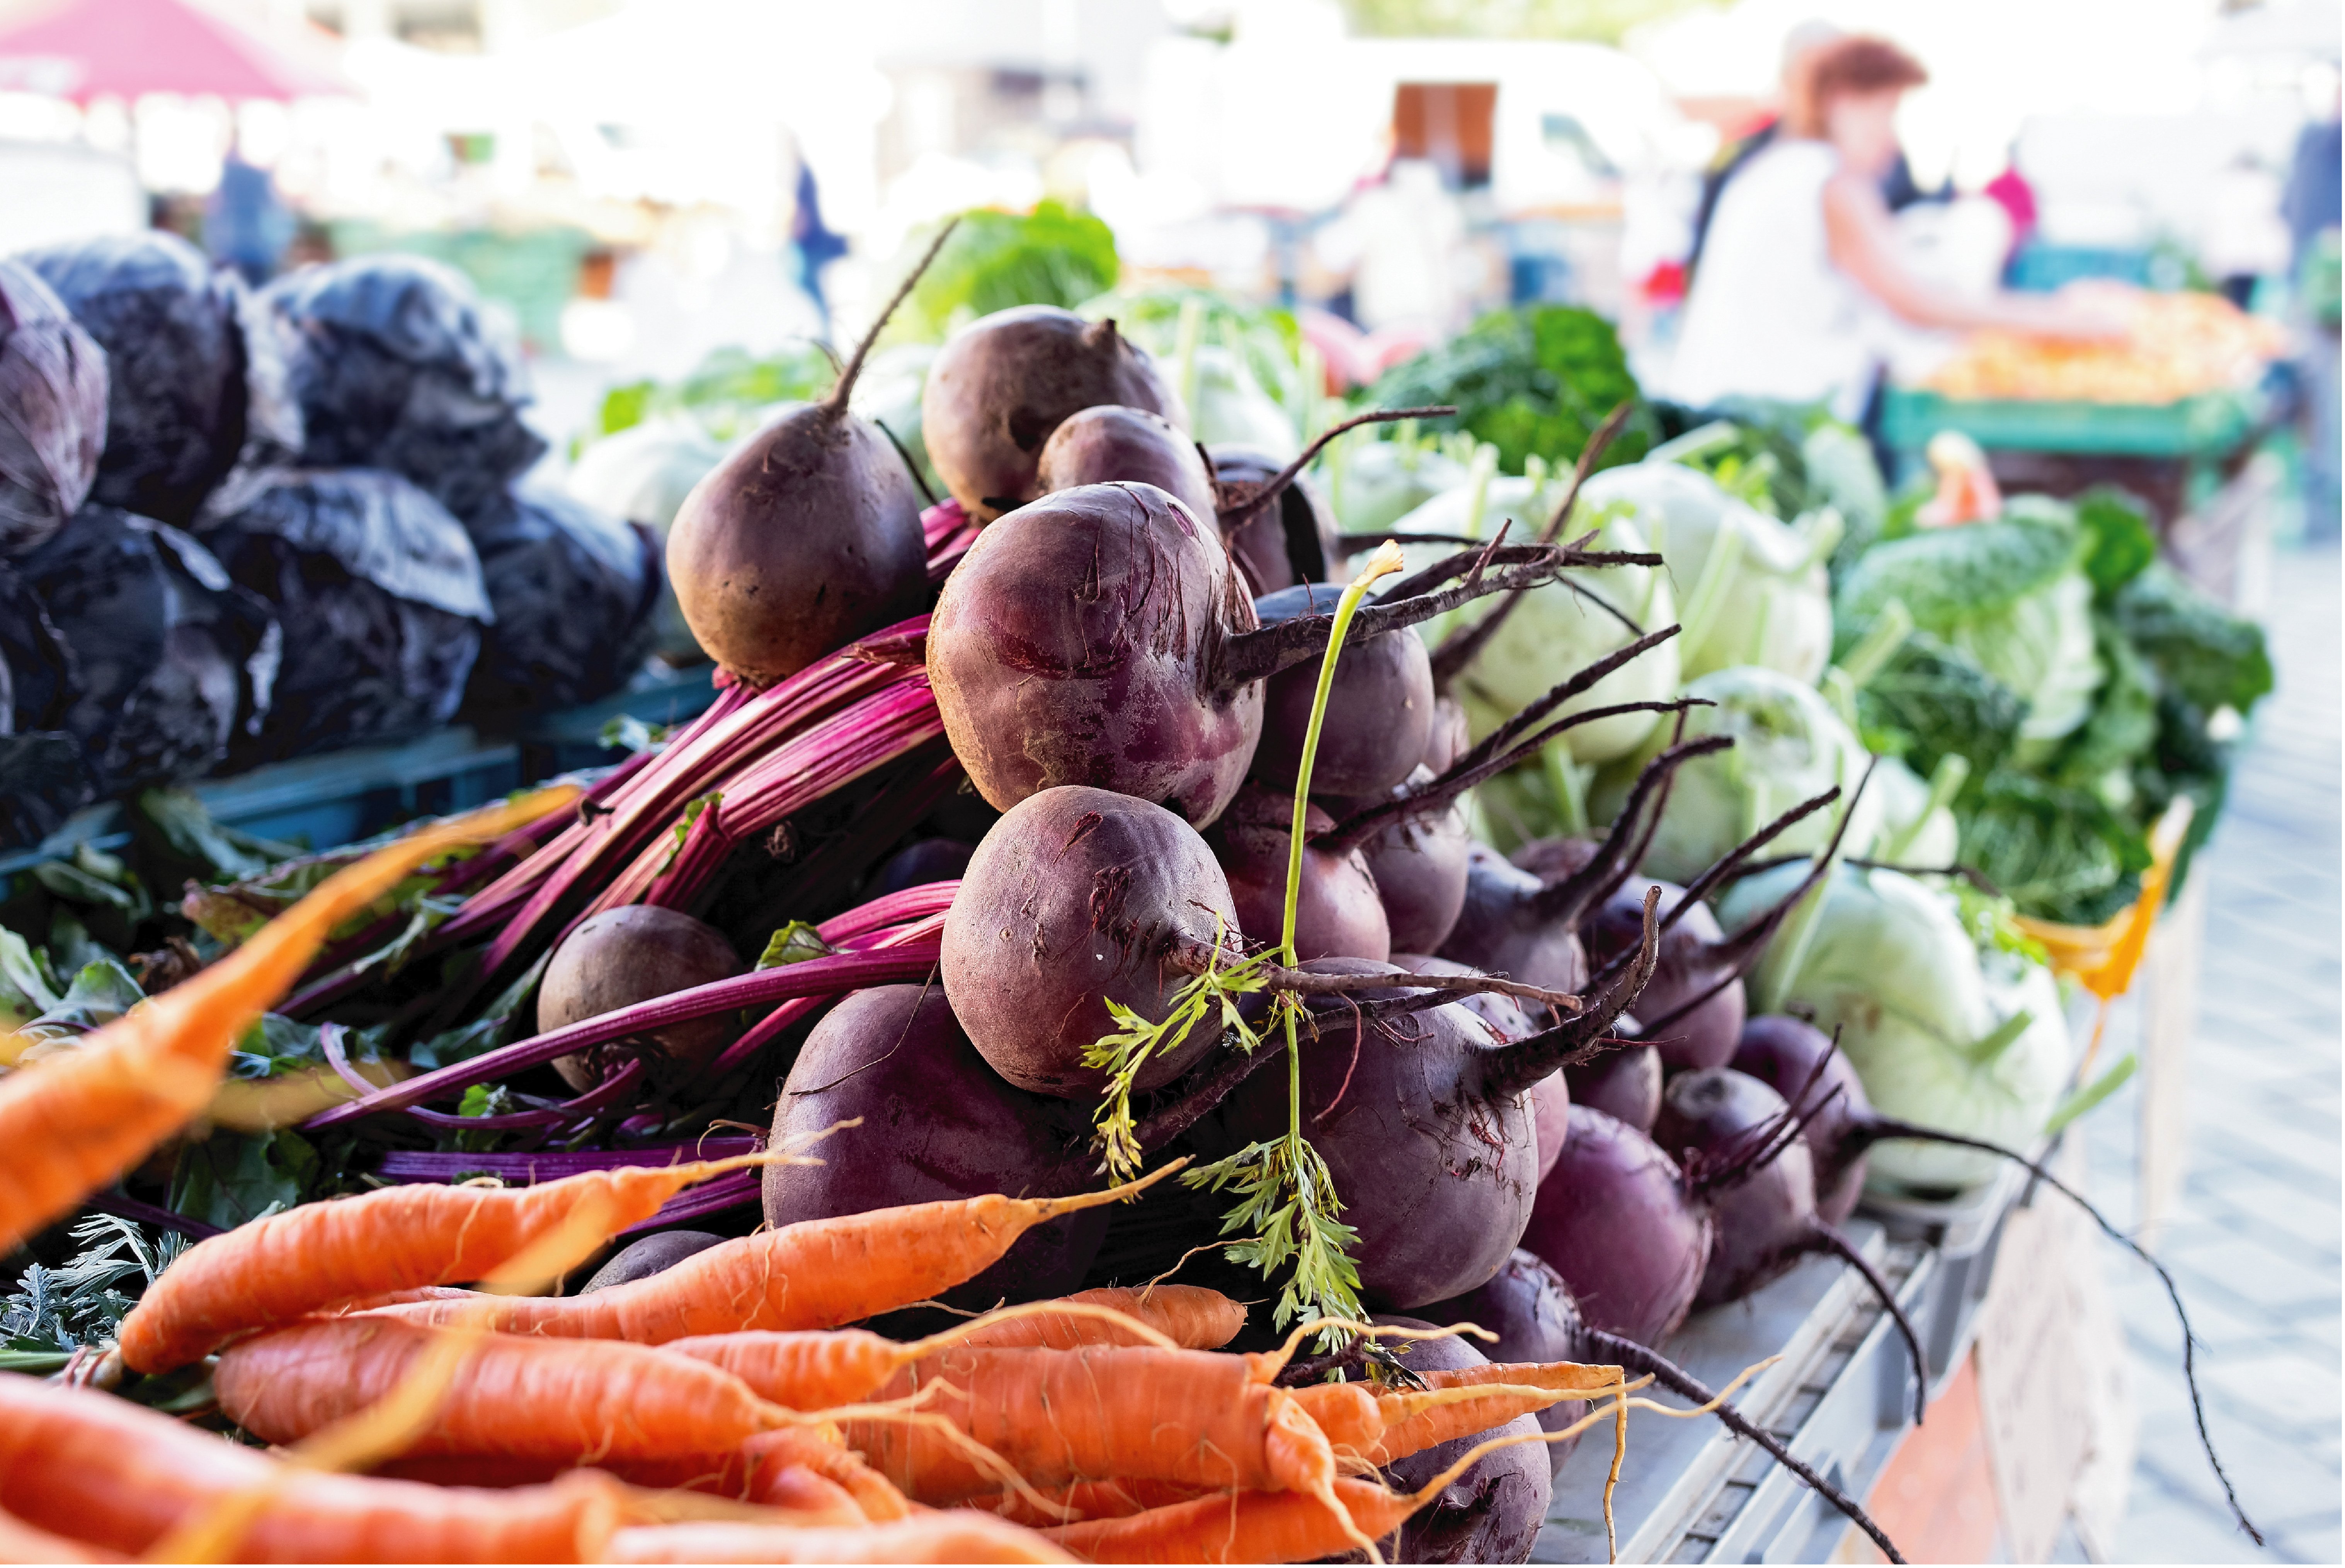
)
(805, 539)
(1879, 1127)
(1002, 384)
(1636, 1359)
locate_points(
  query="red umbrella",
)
(85, 49)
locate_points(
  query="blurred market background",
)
(669, 214)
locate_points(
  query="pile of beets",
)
(1531, 1081)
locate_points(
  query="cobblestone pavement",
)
(2254, 1238)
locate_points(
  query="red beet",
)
(1613, 1220)
(1527, 1305)
(1493, 1511)
(1695, 998)
(1076, 897)
(1625, 1084)
(1797, 1060)
(937, 1123)
(1338, 913)
(1003, 383)
(1109, 444)
(1379, 708)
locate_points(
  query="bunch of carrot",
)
(719, 1411)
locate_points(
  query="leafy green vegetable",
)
(1950, 577)
(793, 944)
(177, 835)
(2120, 543)
(2203, 653)
(81, 1303)
(2060, 853)
(27, 987)
(1533, 381)
(230, 1178)
(998, 260)
(102, 991)
(1931, 700)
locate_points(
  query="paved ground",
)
(2254, 1241)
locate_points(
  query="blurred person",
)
(2245, 238)
(1801, 47)
(247, 227)
(1805, 283)
(2311, 205)
(2011, 192)
(1401, 241)
(817, 246)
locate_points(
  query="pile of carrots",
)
(428, 1404)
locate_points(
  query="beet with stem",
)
(1704, 1018)
(1002, 385)
(805, 538)
(1745, 1162)
(1101, 636)
(1493, 1511)
(1338, 912)
(1799, 1062)
(1077, 898)
(631, 954)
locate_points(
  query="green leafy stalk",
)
(1136, 1042)
(1288, 1207)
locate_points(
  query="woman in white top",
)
(1801, 260)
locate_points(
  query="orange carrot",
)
(816, 1274)
(526, 1398)
(1415, 1422)
(816, 1369)
(20, 1542)
(1101, 1412)
(397, 1241)
(956, 1537)
(1191, 1315)
(109, 1473)
(1238, 1527)
(79, 1118)
(1079, 1500)
(762, 1470)
(1349, 1414)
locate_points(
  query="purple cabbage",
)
(52, 410)
(574, 591)
(379, 589)
(394, 365)
(195, 379)
(165, 659)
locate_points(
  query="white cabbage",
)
(1935, 1030)
(1789, 745)
(1555, 631)
(1765, 601)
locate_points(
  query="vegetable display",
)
(985, 1087)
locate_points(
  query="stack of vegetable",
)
(1081, 826)
(197, 480)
